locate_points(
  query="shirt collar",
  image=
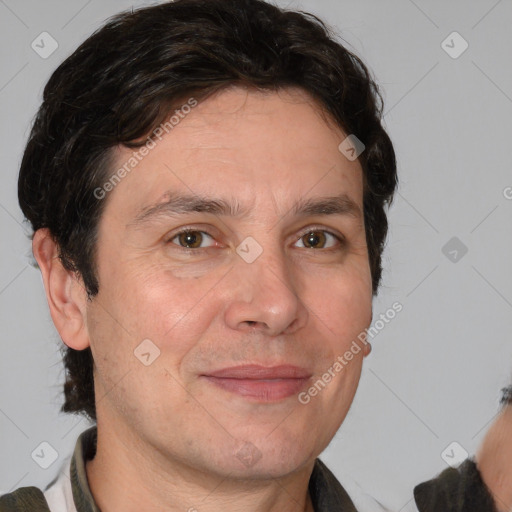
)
(85, 449)
(327, 494)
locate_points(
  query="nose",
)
(264, 297)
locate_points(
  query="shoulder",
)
(57, 496)
(29, 499)
(454, 490)
(344, 494)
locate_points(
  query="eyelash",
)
(338, 237)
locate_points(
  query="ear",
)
(65, 292)
(367, 345)
(367, 349)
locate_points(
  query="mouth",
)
(260, 383)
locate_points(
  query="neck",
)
(128, 475)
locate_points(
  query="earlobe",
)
(65, 292)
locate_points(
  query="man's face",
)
(208, 306)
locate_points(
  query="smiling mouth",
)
(260, 383)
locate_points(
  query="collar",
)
(327, 494)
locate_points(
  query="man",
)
(207, 184)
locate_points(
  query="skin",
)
(166, 433)
(494, 460)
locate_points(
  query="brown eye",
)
(318, 239)
(313, 239)
(191, 239)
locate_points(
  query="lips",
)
(260, 383)
(254, 371)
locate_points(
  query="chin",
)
(268, 458)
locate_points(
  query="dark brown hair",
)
(121, 83)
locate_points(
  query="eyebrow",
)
(180, 204)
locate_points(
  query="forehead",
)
(258, 146)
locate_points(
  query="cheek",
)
(132, 308)
(147, 302)
(343, 305)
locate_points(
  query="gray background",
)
(436, 369)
